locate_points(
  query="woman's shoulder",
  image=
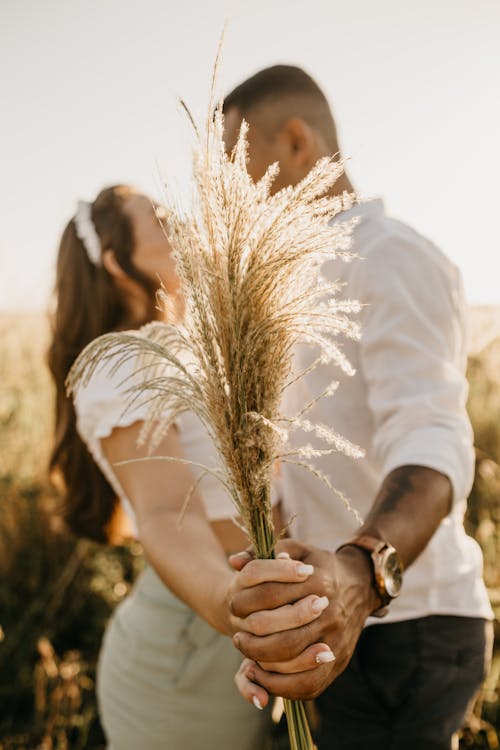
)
(124, 386)
(107, 397)
(103, 379)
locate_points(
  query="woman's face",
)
(152, 252)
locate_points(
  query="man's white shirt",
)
(404, 406)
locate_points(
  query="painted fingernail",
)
(282, 556)
(305, 570)
(241, 554)
(256, 702)
(319, 604)
(324, 657)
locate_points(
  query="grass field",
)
(56, 593)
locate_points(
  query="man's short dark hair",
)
(284, 91)
(279, 80)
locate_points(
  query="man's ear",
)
(300, 140)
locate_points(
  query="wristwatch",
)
(387, 568)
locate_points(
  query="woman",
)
(165, 676)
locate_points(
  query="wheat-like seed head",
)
(249, 264)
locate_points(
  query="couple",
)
(167, 664)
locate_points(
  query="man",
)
(405, 680)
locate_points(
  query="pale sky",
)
(89, 89)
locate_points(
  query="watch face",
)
(392, 574)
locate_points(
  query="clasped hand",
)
(297, 618)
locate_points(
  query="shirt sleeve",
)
(103, 404)
(412, 356)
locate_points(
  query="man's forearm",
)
(411, 503)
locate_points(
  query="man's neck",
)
(342, 185)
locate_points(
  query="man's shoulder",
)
(388, 247)
(386, 236)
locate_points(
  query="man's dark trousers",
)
(408, 686)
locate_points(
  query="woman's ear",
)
(112, 266)
(133, 292)
(122, 280)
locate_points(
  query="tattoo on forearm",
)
(396, 485)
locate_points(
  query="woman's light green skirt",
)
(166, 679)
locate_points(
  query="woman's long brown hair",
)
(88, 304)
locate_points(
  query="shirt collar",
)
(364, 209)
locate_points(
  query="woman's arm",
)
(186, 554)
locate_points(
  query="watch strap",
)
(374, 546)
(365, 541)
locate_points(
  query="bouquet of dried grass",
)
(249, 264)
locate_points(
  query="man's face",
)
(263, 150)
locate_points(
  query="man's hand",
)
(286, 663)
(408, 509)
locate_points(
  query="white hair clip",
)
(86, 232)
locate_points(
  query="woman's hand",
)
(283, 663)
(282, 570)
(266, 622)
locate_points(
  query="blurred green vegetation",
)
(57, 593)
(483, 523)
